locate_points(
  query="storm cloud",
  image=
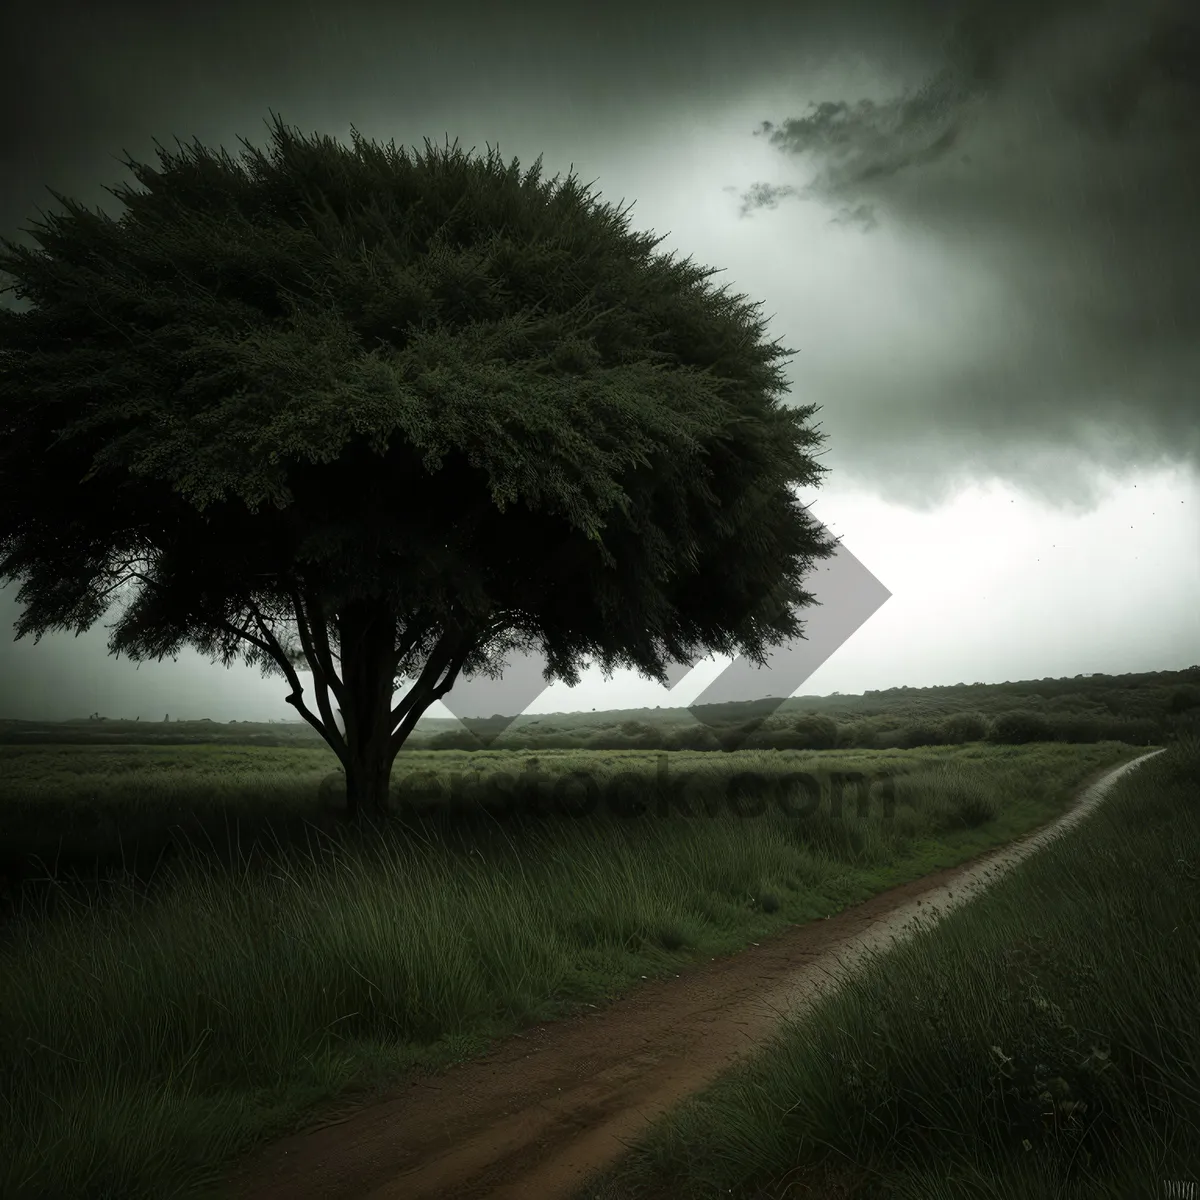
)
(975, 223)
(1056, 153)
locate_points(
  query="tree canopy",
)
(415, 412)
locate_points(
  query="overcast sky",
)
(976, 223)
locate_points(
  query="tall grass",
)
(1040, 1042)
(146, 1041)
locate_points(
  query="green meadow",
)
(252, 959)
(1041, 1041)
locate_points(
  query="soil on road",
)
(548, 1107)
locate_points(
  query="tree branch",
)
(443, 652)
(449, 655)
(406, 647)
(122, 566)
(321, 636)
(324, 676)
(272, 647)
(423, 689)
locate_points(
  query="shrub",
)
(816, 732)
(920, 735)
(962, 727)
(775, 739)
(559, 741)
(733, 737)
(858, 735)
(454, 739)
(642, 736)
(1019, 726)
(1134, 731)
(1076, 727)
(693, 737)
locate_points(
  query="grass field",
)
(1041, 1042)
(148, 1039)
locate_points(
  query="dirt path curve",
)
(547, 1107)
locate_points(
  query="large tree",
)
(416, 413)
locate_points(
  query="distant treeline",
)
(1141, 710)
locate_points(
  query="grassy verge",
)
(147, 1042)
(1040, 1042)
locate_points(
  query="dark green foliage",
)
(772, 739)
(694, 737)
(816, 732)
(428, 409)
(1018, 727)
(856, 735)
(642, 736)
(1134, 731)
(1078, 727)
(964, 727)
(736, 737)
(921, 735)
(456, 739)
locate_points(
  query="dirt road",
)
(549, 1106)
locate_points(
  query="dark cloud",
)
(1046, 153)
(1058, 150)
(983, 241)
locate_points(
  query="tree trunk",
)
(368, 641)
(368, 778)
